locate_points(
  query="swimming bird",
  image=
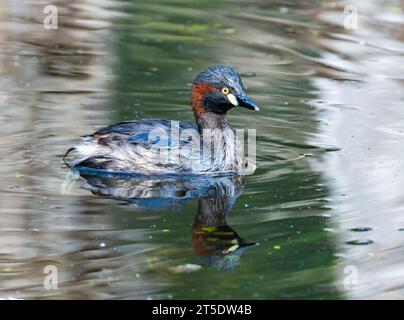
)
(155, 146)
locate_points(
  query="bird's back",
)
(144, 146)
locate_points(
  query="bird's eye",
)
(225, 90)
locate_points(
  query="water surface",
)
(327, 193)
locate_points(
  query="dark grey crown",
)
(221, 76)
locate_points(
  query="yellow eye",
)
(225, 90)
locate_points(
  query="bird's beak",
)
(244, 101)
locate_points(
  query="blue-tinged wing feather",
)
(138, 132)
(127, 146)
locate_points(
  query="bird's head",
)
(218, 89)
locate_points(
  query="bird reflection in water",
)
(212, 237)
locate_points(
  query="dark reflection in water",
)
(212, 237)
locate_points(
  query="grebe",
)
(153, 146)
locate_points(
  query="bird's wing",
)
(145, 133)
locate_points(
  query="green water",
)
(329, 149)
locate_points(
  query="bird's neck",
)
(212, 121)
(204, 119)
